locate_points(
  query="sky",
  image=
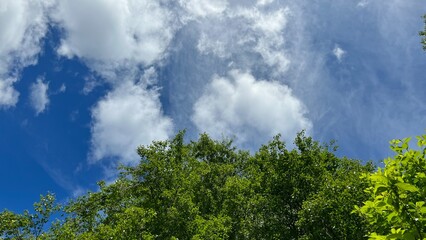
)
(83, 83)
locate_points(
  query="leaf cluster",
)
(396, 208)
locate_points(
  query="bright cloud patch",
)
(362, 3)
(252, 110)
(127, 117)
(339, 53)
(246, 31)
(8, 95)
(264, 2)
(38, 96)
(22, 26)
(110, 34)
(204, 8)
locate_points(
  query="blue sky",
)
(83, 83)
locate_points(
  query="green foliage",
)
(325, 214)
(208, 189)
(396, 208)
(26, 225)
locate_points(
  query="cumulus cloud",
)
(339, 53)
(127, 117)
(251, 110)
(38, 96)
(22, 26)
(123, 34)
(124, 37)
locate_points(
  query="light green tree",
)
(396, 208)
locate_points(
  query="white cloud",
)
(8, 95)
(268, 22)
(22, 26)
(362, 3)
(246, 31)
(203, 8)
(123, 34)
(38, 96)
(252, 110)
(127, 117)
(63, 88)
(264, 2)
(216, 47)
(339, 53)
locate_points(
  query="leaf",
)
(407, 187)
(380, 204)
(391, 216)
(420, 204)
(379, 189)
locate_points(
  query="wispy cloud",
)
(204, 8)
(39, 98)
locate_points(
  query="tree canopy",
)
(209, 189)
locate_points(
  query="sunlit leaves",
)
(397, 193)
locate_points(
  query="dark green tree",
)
(208, 189)
(326, 215)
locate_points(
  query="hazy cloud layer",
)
(247, 32)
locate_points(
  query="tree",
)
(26, 225)
(326, 215)
(208, 189)
(396, 208)
(290, 181)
